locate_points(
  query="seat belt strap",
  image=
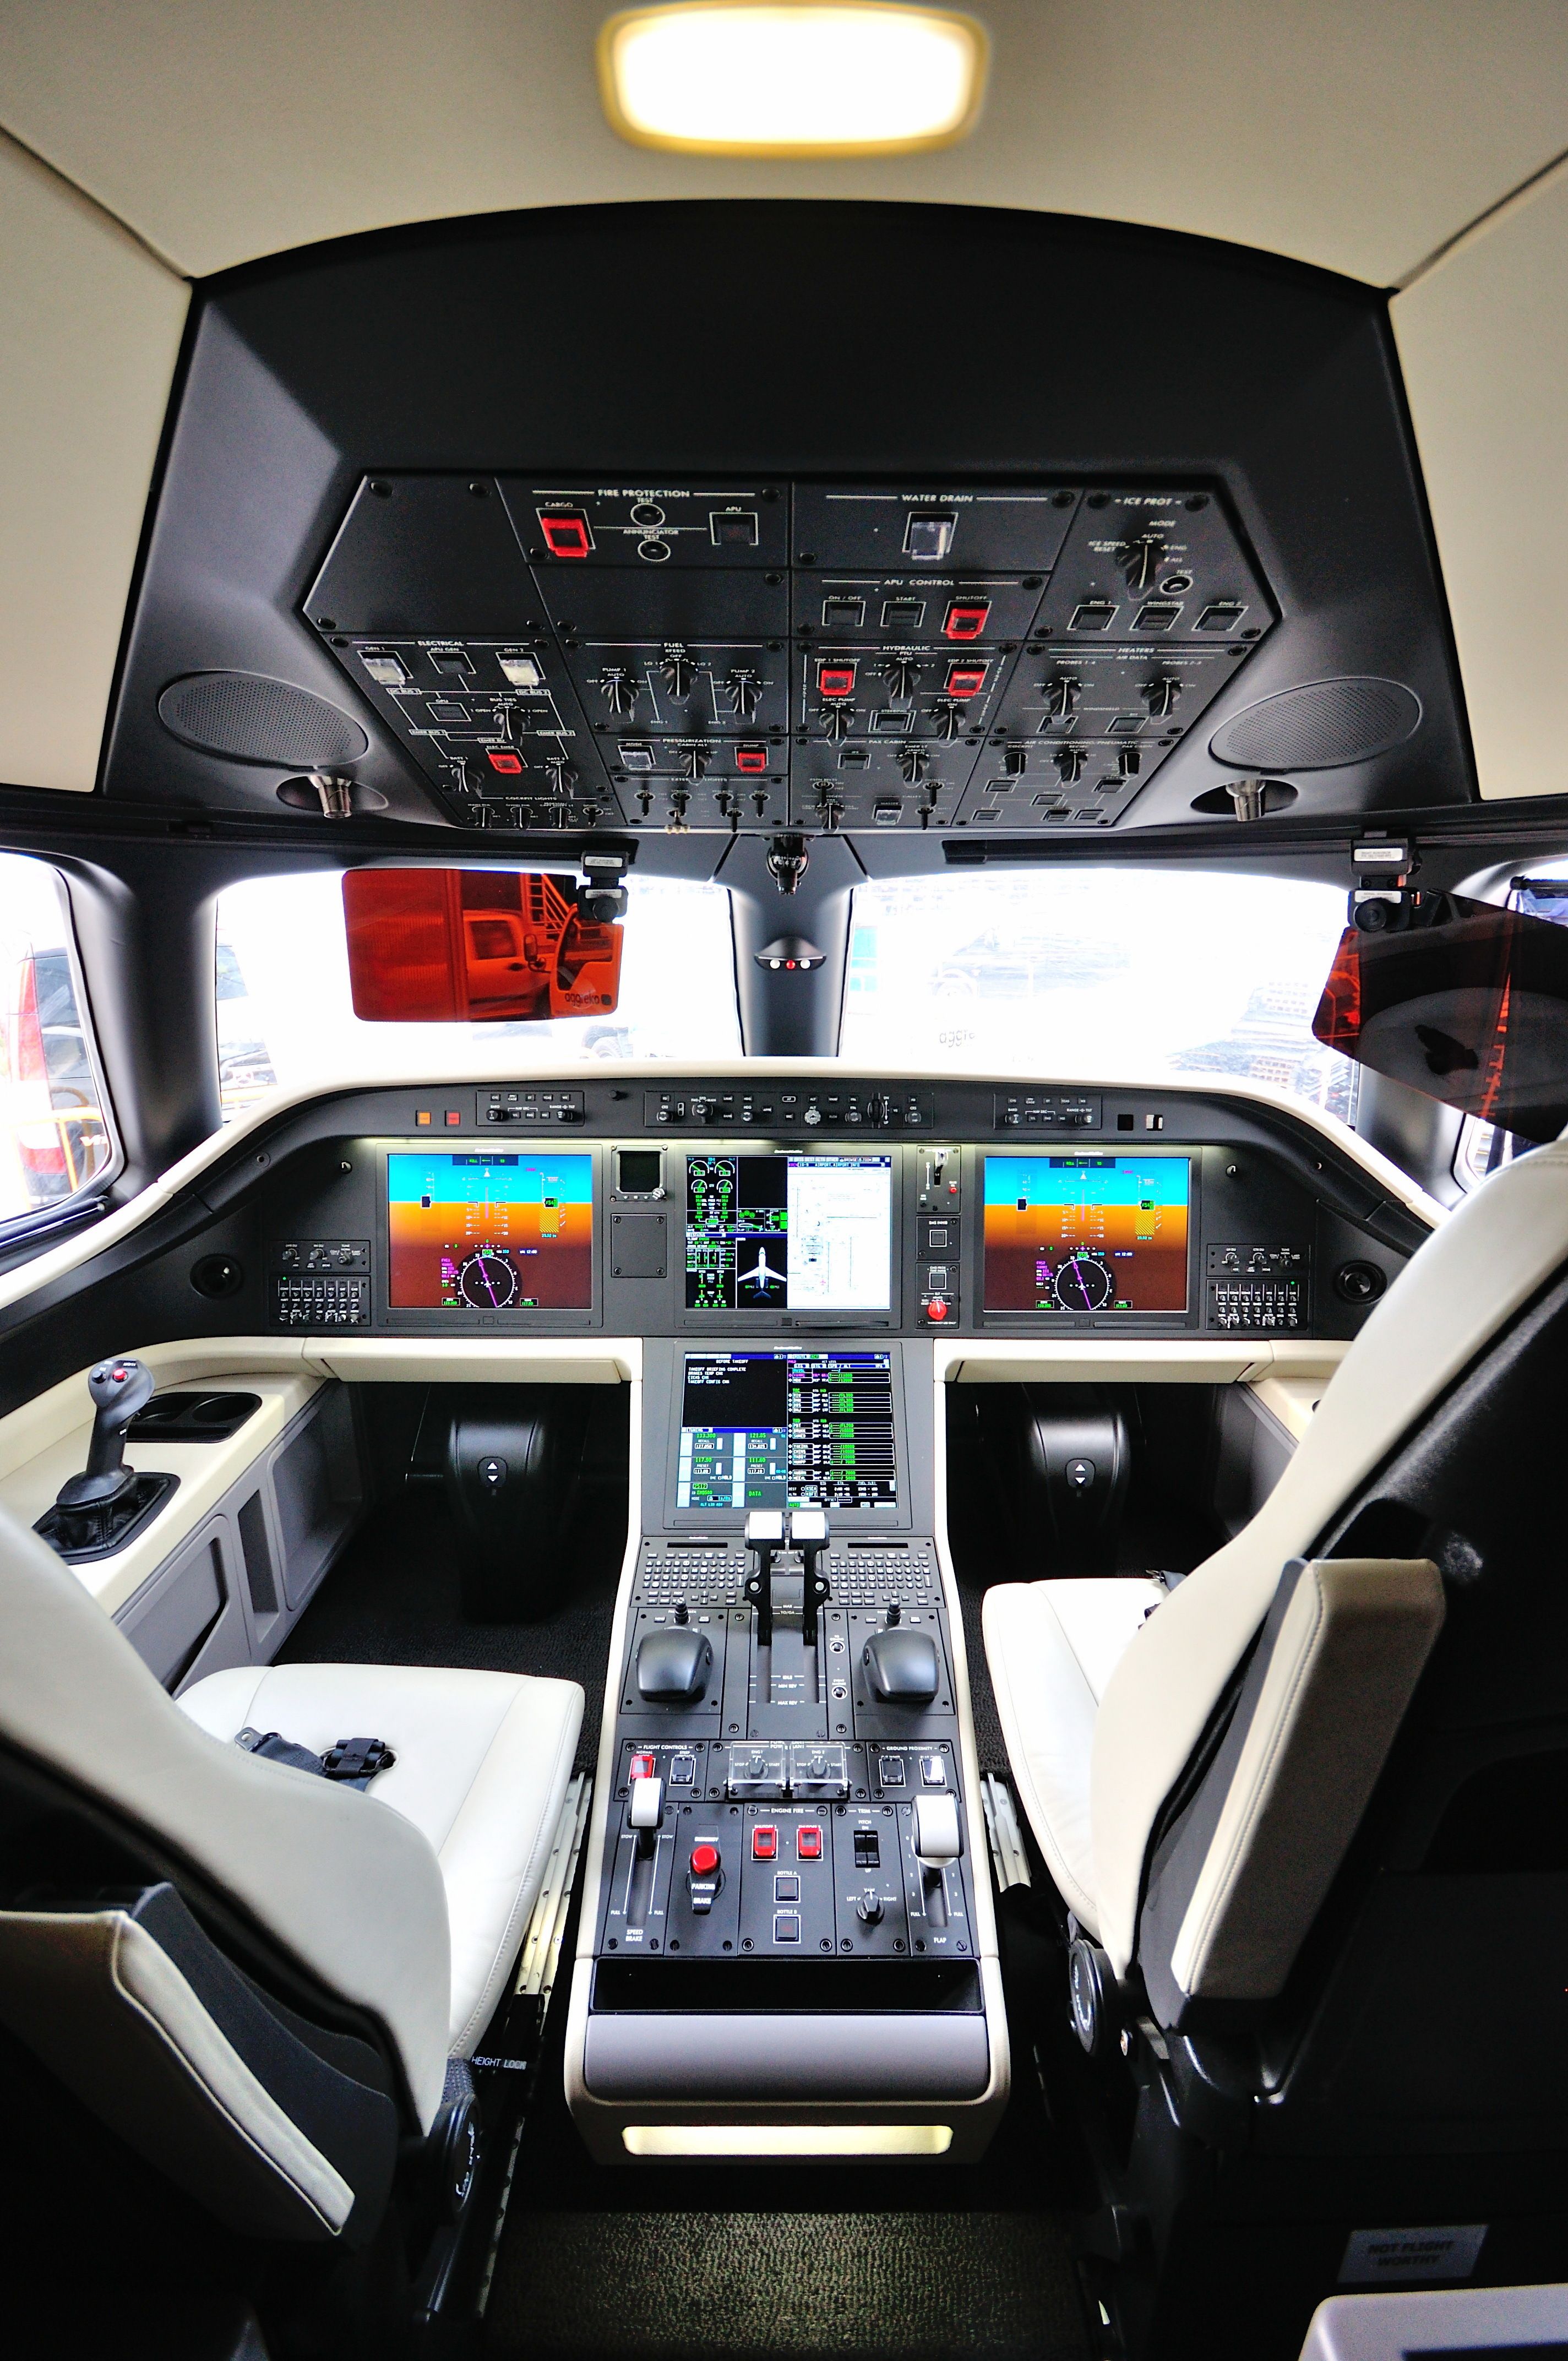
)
(349, 1763)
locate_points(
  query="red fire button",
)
(765, 1843)
(565, 532)
(508, 764)
(834, 680)
(965, 680)
(966, 619)
(704, 1860)
(808, 1844)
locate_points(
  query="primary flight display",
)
(491, 1233)
(1076, 1234)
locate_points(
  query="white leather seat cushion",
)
(1051, 1648)
(483, 1764)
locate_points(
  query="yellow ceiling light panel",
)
(712, 78)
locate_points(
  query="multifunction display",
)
(795, 1233)
(1080, 1234)
(491, 1233)
(776, 1429)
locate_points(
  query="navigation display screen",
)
(787, 1429)
(1086, 1232)
(795, 1233)
(491, 1233)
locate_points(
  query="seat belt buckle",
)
(354, 1762)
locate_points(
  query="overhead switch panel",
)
(754, 655)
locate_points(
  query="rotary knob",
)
(1160, 696)
(835, 722)
(948, 719)
(1141, 561)
(678, 670)
(618, 689)
(744, 691)
(869, 1908)
(1070, 761)
(901, 673)
(914, 761)
(1061, 697)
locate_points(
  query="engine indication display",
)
(491, 1233)
(797, 1233)
(1086, 1233)
(796, 1430)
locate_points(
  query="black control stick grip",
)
(119, 1388)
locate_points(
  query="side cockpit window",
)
(55, 1141)
(286, 1019)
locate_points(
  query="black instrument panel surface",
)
(1264, 1212)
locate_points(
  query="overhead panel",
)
(747, 651)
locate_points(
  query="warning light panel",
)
(503, 760)
(565, 531)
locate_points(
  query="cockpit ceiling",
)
(1411, 146)
(484, 521)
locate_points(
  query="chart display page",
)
(1085, 1233)
(789, 1233)
(491, 1233)
(787, 1429)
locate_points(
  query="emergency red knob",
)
(704, 1860)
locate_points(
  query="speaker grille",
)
(1320, 727)
(253, 719)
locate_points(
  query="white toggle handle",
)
(647, 1803)
(937, 1832)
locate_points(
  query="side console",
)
(787, 1955)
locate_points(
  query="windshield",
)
(1105, 972)
(286, 1021)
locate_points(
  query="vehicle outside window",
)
(1484, 1148)
(286, 1019)
(54, 1140)
(1107, 973)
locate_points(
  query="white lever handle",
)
(936, 1834)
(647, 1803)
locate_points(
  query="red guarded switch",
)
(966, 619)
(704, 1860)
(764, 1844)
(808, 1844)
(751, 758)
(508, 764)
(643, 1766)
(965, 680)
(834, 680)
(565, 532)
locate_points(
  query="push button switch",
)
(765, 1843)
(809, 1843)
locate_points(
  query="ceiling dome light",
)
(711, 77)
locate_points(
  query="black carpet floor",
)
(911, 2286)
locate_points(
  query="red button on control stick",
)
(704, 1860)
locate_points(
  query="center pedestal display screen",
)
(787, 1429)
(491, 1233)
(789, 1233)
(1083, 1234)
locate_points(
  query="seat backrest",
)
(1465, 1288)
(339, 1886)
